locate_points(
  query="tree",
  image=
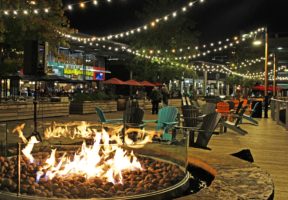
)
(16, 29)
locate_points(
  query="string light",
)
(144, 27)
(18, 12)
(248, 63)
(84, 3)
(220, 46)
(209, 68)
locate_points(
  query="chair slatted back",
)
(209, 108)
(231, 105)
(188, 101)
(134, 115)
(245, 102)
(239, 107)
(254, 108)
(184, 103)
(223, 108)
(210, 122)
(166, 114)
(195, 104)
(236, 103)
(101, 115)
(190, 114)
(240, 115)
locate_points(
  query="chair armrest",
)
(150, 121)
(114, 120)
(170, 123)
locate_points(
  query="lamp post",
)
(266, 99)
(266, 74)
(275, 76)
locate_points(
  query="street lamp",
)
(266, 74)
(257, 43)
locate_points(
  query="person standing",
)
(156, 98)
(165, 94)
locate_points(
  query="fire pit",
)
(104, 166)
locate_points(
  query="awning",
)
(114, 81)
(133, 83)
(147, 84)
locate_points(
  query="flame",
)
(104, 159)
(19, 130)
(29, 147)
(98, 160)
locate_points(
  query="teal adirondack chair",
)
(103, 119)
(167, 119)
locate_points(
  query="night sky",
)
(215, 19)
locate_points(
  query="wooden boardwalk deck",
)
(268, 144)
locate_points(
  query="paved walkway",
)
(268, 143)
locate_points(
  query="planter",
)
(175, 102)
(25, 110)
(88, 107)
(121, 104)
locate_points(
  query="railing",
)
(279, 111)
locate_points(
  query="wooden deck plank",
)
(268, 144)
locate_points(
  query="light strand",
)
(139, 29)
(21, 12)
(83, 4)
(208, 48)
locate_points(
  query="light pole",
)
(266, 74)
(275, 75)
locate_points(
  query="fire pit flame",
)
(29, 147)
(97, 160)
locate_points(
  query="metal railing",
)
(279, 111)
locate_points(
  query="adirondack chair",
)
(208, 108)
(191, 120)
(239, 106)
(207, 128)
(231, 105)
(249, 117)
(103, 119)
(195, 104)
(235, 126)
(223, 109)
(167, 119)
(133, 118)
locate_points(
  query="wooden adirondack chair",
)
(103, 119)
(249, 117)
(207, 128)
(235, 126)
(208, 108)
(167, 119)
(133, 118)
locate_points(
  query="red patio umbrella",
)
(132, 83)
(147, 84)
(158, 84)
(270, 88)
(114, 81)
(262, 88)
(259, 87)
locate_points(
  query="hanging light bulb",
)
(82, 5)
(95, 2)
(70, 7)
